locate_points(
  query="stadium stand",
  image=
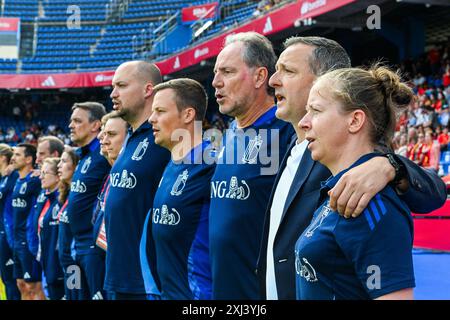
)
(110, 31)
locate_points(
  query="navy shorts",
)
(6, 260)
(26, 267)
(93, 273)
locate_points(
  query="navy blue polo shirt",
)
(48, 235)
(7, 184)
(65, 238)
(86, 183)
(180, 227)
(24, 198)
(358, 258)
(240, 191)
(134, 180)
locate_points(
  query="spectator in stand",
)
(11, 136)
(419, 80)
(446, 77)
(443, 139)
(412, 120)
(17, 113)
(425, 154)
(412, 140)
(263, 6)
(402, 120)
(435, 156)
(444, 116)
(402, 146)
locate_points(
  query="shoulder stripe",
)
(374, 210)
(381, 204)
(369, 219)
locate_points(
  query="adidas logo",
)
(49, 82)
(98, 296)
(10, 262)
(26, 276)
(176, 64)
(268, 26)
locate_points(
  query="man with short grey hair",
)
(239, 192)
(296, 191)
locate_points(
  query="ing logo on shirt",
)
(165, 217)
(86, 165)
(305, 269)
(126, 180)
(78, 186)
(139, 153)
(23, 188)
(19, 203)
(180, 183)
(235, 190)
(64, 218)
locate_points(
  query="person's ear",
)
(189, 115)
(261, 77)
(356, 121)
(148, 90)
(96, 126)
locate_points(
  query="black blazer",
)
(426, 193)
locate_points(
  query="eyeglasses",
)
(43, 173)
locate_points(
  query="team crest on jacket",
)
(23, 188)
(252, 150)
(140, 150)
(86, 165)
(41, 197)
(165, 217)
(179, 184)
(55, 212)
(3, 184)
(305, 269)
(319, 220)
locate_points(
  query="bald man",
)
(134, 179)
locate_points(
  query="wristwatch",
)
(400, 171)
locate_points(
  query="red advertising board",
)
(431, 231)
(9, 24)
(56, 80)
(204, 11)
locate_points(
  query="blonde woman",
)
(350, 113)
